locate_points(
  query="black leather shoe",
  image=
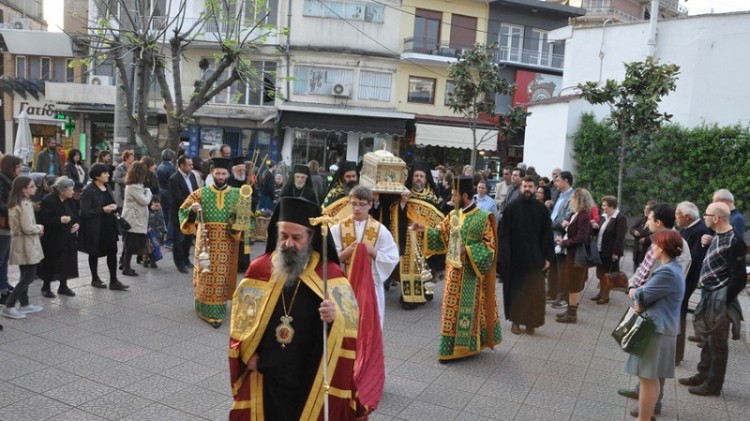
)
(48, 294)
(704, 391)
(97, 283)
(695, 380)
(628, 393)
(129, 272)
(634, 412)
(66, 291)
(118, 286)
(182, 269)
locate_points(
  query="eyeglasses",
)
(709, 214)
(359, 204)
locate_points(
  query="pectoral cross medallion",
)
(285, 331)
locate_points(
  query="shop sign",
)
(37, 110)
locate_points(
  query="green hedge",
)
(673, 165)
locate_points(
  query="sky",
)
(53, 9)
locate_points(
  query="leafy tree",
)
(154, 42)
(476, 82)
(634, 103)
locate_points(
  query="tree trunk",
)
(621, 167)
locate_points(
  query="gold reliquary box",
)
(383, 172)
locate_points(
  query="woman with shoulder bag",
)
(10, 168)
(98, 233)
(578, 233)
(660, 298)
(135, 212)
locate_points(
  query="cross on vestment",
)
(371, 234)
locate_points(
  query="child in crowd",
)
(157, 232)
(25, 246)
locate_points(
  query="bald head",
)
(717, 217)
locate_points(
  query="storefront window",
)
(324, 147)
(46, 65)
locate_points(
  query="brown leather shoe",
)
(596, 297)
(695, 338)
(515, 329)
(529, 330)
(602, 301)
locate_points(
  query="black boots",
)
(47, 290)
(570, 316)
(64, 290)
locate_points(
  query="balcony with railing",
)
(533, 58)
(670, 8)
(600, 10)
(442, 50)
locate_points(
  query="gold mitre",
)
(383, 172)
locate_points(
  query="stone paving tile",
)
(194, 400)
(421, 411)
(46, 379)
(600, 411)
(115, 405)
(119, 375)
(191, 372)
(19, 366)
(445, 396)
(155, 362)
(79, 392)
(495, 408)
(11, 393)
(36, 407)
(155, 387)
(532, 413)
(77, 415)
(159, 412)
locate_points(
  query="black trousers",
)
(713, 364)
(181, 246)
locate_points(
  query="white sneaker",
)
(12, 313)
(31, 308)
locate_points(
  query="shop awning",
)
(455, 137)
(37, 43)
(336, 119)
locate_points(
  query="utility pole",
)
(653, 20)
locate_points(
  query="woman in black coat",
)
(98, 233)
(60, 220)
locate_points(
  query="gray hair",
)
(723, 195)
(690, 210)
(62, 184)
(168, 155)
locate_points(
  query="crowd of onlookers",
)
(58, 210)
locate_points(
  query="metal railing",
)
(434, 47)
(529, 57)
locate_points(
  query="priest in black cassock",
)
(526, 250)
(300, 185)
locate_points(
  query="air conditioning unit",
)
(20, 23)
(100, 80)
(341, 90)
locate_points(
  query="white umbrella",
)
(24, 147)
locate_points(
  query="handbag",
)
(587, 254)
(634, 332)
(122, 223)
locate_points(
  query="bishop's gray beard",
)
(418, 187)
(289, 263)
(300, 185)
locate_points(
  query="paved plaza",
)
(144, 355)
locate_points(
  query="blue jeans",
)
(4, 257)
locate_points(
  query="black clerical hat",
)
(225, 163)
(302, 169)
(297, 210)
(464, 184)
(238, 160)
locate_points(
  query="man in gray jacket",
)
(48, 160)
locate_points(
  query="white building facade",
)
(711, 88)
